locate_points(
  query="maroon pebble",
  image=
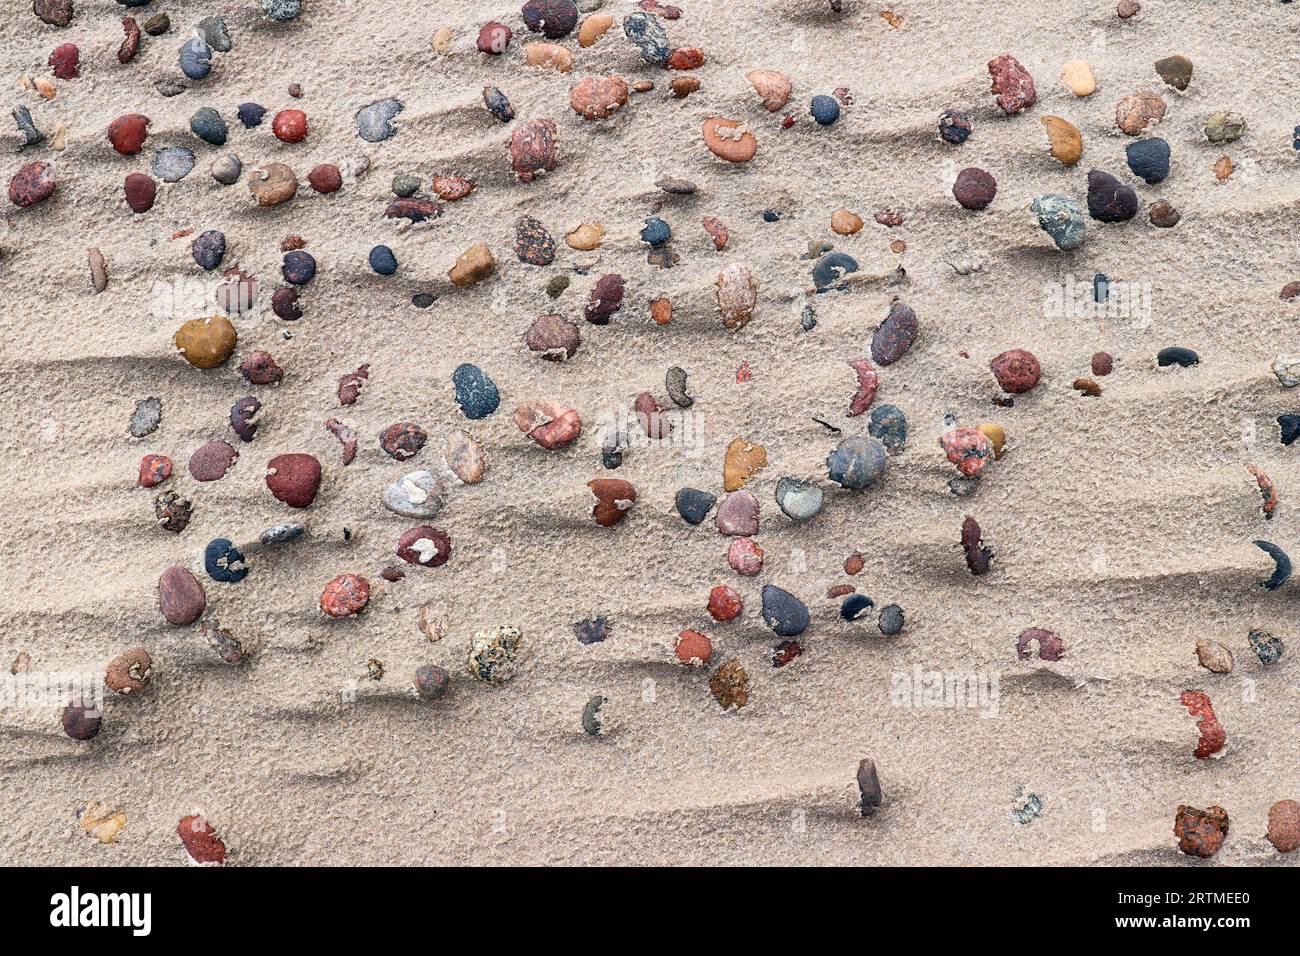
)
(325, 178)
(127, 133)
(1016, 370)
(284, 303)
(140, 192)
(974, 188)
(180, 596)
(403, 440)
(32, 184)
(81, 722)
(895, 335)
(261, 369)
(606, 299)
(212, 461)
(426, 546)
(293, 478)
(494, 38)
(64, 61)
(1102, 363)
(290, 126)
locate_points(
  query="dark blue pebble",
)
(591, 631)
(250, 114)
(889, 424)
(831, 268)
(1290, 425)
(1281, 565)
(784, 613)
(694, 505)
(196, 59)
(854, 606)
(771, 215)
(656, 232)
(208, 126)
(1295, 141)
(209, 249)
(476, 394)
(825, 109)
(644, 32)
(1149, 159)
(223, 561)
(1100, 287)
(891, 620)
(422, 300)
(1177, 355)
(299, 267)
(383, 261)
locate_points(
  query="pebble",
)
(345, 596)
(614, 498)
(737, 295)
(533, 244)
(1287, 370)
(1077, 75)
(473, 265)
(425, 546)
(476, 393)
(551, 56)
(243, 417)
(831, 268)
(281, 9)
(325, 178)
(857, 463)
(891, 620)
(772, 86)
(974, 188)
(207, 342)
(375, 120)
(405, 184)
(1036, 640)
(200, 839)
(284, 303)
(889, 425)
(1012, 84)
(431, 682)
(129, 672)
(215, 33)
(955, 127)
(730, 685)
(693, 648)
(298, 267)
(825, 110)
(845, 223)
(1016, 370)
(656, 232)
(717, 231)
(209, 249)
(784, 613)
(854, 606)
(605, 299)
(1126, 9)
(1175, 70)
(154, 470)
(493, 38)
(551, 424)
(533, 149)
(195, 58)
(494, 654)
(1061, 218)
(172, 163)
(645, 33)
(593, 28)
(996, 435)
(738, 514)
(675, 385)
(553, 18)
(32, 184)
(211, 461)
(290, 126)
(226, 169)
(127, 133)
(1289, 424)
(745, 556)
(894, 336)
(293, 478)
(727, 139)
(1177, 355)
(694, 505)
(224, 562)
(967, 448)
(1266, 647)
(382, 260)
(585, 237)
(1284, 826)
(498, 104)
(81, 722)
(64, 61)
(23, 118)
(1109, 200)
(1149, 159)
(725, 603)
(870, 796)
(450, 188)
(403, 440)
(180, 596)
(416, 210)
(57, 13)
(1214, 656)
(261, 369)
(145, 418)
(742, 459)
(800, 500)
(465, 458)
(250, 114)
(1200, 832)
(553, 337)
(591, 631)
(172, 511)
(1225, 127)
(1065, 142)
(157, 25)
(282, 534)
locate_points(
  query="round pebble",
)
(208, 249)
(784, 613)
(294, 478)
(299, 267)
(180, 596)
(891, 620)
(196, 58)
(325, 178)
(172, 163)
(383, 261)
(725, 603)
(1016, 370)
(974, 188)
(415, 495)
(403, 440)
(207, 342)
(425, 546)
(345, 596)
(825, 110)
(290, 126)
(857, 463)
(476, 393)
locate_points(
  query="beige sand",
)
(1124, 523)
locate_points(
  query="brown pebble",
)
(474, 265)
(1087, 387)
(210, 462)
(272, 184)
(840, 590)
(727, 139)
(140, 192)
(98, 270)
(207, 342)
(294, 478)
(598, 97)
(661, 310)
(129, 671)
(451, 188)
(1223, 168)
(1284, 826)
(553, 337)
(614, 498)
(685, 58)
(81, 722)
(549, 55)
(130, 42)
(1200, 832)
(1064, 139)
(684, 86)
(1139, 111)
(1016, 370)
(730, 685)
(717, 230)
(346, 595)
(845, 223)
(325, 178)
(642, 86)
(32, 184)
(854, 563)
(533, 149)
(1127, 9)
(898, 246)
(403, 440)
(260, 369)
(180, 596)
(773, 88)
(974, 188)
(350, 385)
(593, 28)
(1164, 215)
(1102, 363)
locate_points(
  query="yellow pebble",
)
(1077, 75)
(442, 40)
(996, 436)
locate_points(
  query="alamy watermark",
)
(920, 689)
(1098, 299)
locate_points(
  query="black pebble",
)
(854, 606)
(209, 249)
(223, 561)
(1149, 159)
(1177, 355)
(1290, 425)
(694, 505)
(299, 267)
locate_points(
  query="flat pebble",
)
(207, 342)
(974, 188)
(128, 132)
(889, 425)
(431, 682)
(533, 244)
(831, 268)
(891, 620)
(294, 478)
(644, 32)
(738, 514)
(494, 654)
(498, 104)
(694, 505)
(154, 470)
(728, 139)
(605, 299)
(955, 127)
(533, 149)
(1177, 355)
(415, 495)
(1109, 200)
(894, 336)
(403, 440)
(553, 337)
(145, 418)
(784, 613)
(473, 265)
(800, 500)
(281, 9)
(172, 163)
(211, 461)
(298, 267)
(773, 88)
(208, 249)
(1061, 218)
(1138, 111)
(226, 169)
(345, 596)
(476, 393)
(180, 596)
(224, 562)
(382, 260)
(425, 546)
(465, 457)
(857, 463)
(325, 178)
(375, 120)
(1078, 76)
(195, 58)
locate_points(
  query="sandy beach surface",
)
(1123, 523)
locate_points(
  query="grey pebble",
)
(405, 184)
(800, 500)
(207, 125)
(172, 164)
(282, 534)
(375, 121)
(675, 383)
(645, 33)
(215, 33)
(591, 721)
(431, 681)
(195, 58)
(891, 620)
(209, 249)
(171, 85)
(226, 169)
(869, 792)
(857, 463)
(415, 495)
(147, 415)
(23, 117)
(281, 9)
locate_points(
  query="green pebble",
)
(405, 184)
(557, 286)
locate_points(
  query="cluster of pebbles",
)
(553, 35)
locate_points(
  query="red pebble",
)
(1200, 832)
(685, 58)
(294, 479)
(745, 557)
(1213, 736)
(154, 470)
(693, 648)
(1102, 363)
(64, 61)
(1016, 370)
(1050, 645)
(426, 546)
(140, 192)
(724, 603)
(967, 448)
(127, 133)
(345, 596)
(1012, 84)
(785, 652)
(868, 382)
(201, 841)
(290, 126)
(743, 374)
(32, 184)
(325, 178)
(493, 38)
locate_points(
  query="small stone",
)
(551, 424)
(350, 385)
(727, 139)
(1064, 139)
(476, 393)
(1036, 640)
(382, 260)
(416, 210)
(891, 620)
(1177, 355)
(593, 28)
(857, 463)
(1012, 84)
(290, 126)
(967, 448)
(553, 18)
(745, 556)
(345, 596)
(685, 58)
(773, 88)
(644, 31)
(425, 546)
(974, 188)
(243, 417)
(889, 425)
(830, 268)
(431, 682)
(614, 498)
(694, 505)
(209, 249)
(129, 672)
(1223, 168)
(591, 631)
(195, 58)
(180, 596)
(284, 303)
(375, 120)
(494, 654)
(325, 178)
(684, 86)
(1061, 218)
(585, 237)
(1214, 656)
(474, 265)
(553, 337)
(1175, 70)
(738, 514)
(1149, 159)
(498, 104)
(172, 511)
(127, 133)
(215, 33)
(261, 369)
(894, 336)
(23, 118)
(57, 13)
(493, 38)
(1109, 200)
(656, 232)
(717, 231)
(825, 110)
(1127, 9)
(1200, 832)
(145, 418)
(450, 188)
(605, 300)
(955, 127)
(282, 534)
(870, 796)
(298, 267)
(197, 835)
(533, 244)
(730, 685)
(725, 603)
(1225, 127)
(154, 470)
(64, 61)
(224, 562)
(171, 85)
(211, 461)
(1267, 648)
(550, 56)
(207, 342)
(403, 440)
(172, 163)
(675, 384)
(32, 184)
(281, 9)
(157, 25)
(737, 295)
(693, 648)
(1287, 370)
(1077, 75)
(441, 41)
(784, 613)
(800, 500)
(533, 149)
(1102, 363)
(226, 169)
(1016, 370)
(81, 721)
(598, 97)
(465, 457)
(742, 459)
(1284, 826)
(294, 478)
(855, 605)
(996, 435)
(1135, 112)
